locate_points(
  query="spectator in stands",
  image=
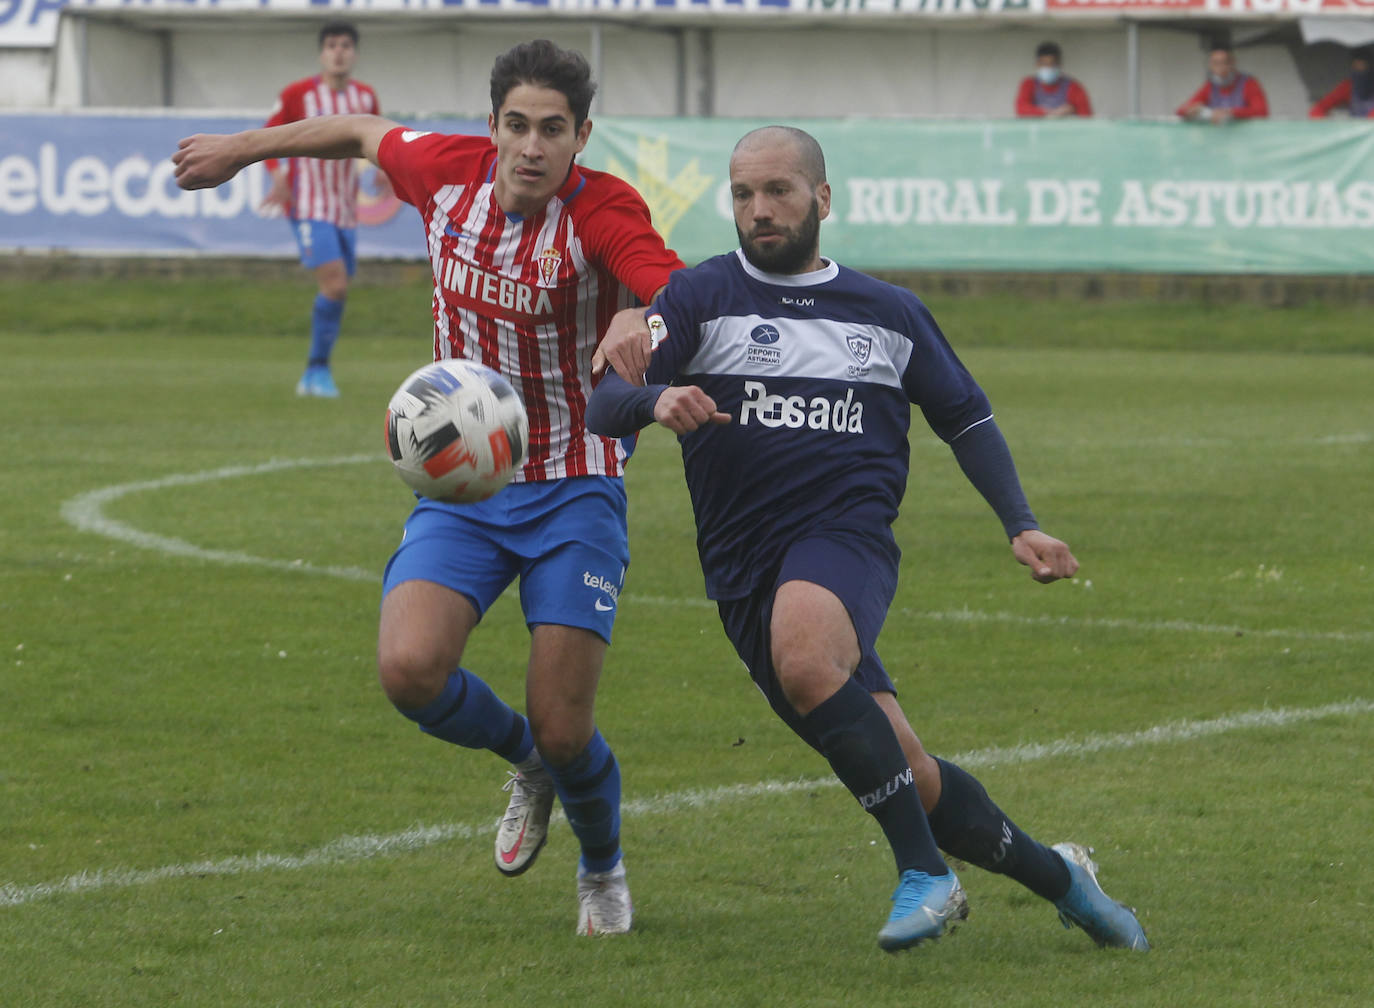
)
(1226, 94)
(1355, 93)
(321, 197)
(1050, 92)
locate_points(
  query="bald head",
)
(780, 196)
(805, 152)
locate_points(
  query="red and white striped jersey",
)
(530, 296)
(323, 190)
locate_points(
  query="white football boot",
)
(603, 902)
(525, 826)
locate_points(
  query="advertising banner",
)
(1263, 197)
(29, 23)
(92, 183)
(1260, 197)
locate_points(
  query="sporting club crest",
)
(860, 347)
(549, 261)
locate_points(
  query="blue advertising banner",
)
(104, 183)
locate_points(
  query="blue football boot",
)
(923, 906)
(317, 382)
(1109, 923)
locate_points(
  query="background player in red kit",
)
(532, 257)
(1355, 94)
(1050, 92)
(321, 197)
(1226, 94)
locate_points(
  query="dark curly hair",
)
(543, 64)
(333, 28)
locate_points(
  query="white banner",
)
(29, 23)
(34, 22)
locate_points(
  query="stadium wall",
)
(905, 69)
(749, 58)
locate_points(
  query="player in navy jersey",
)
(533, 257)
(321, 197)
(789, 380)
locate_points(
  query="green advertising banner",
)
(1259, 197)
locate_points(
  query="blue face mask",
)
(1219, 80)
(1047, 74)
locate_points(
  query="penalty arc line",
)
(350, 849)
(86, 512)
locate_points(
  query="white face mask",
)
(1047, 74)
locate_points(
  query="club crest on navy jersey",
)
(860, 346)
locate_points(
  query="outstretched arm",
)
(618, 409)
(986, 460)
(206, 160)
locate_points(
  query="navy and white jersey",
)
(818, 372)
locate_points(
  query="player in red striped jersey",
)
(321, 196)
(533, 257)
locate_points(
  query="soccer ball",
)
(456, 431)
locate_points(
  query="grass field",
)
(205, 799)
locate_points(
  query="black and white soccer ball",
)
(456, 431)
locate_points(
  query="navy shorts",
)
(321, 242)
(859, 567)
(564, 539)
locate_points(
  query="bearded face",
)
(774, 247)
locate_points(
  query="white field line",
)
(86, 512)
(359, 848)
(1110, 623)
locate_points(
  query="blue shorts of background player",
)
(565, 540)
(321, 242)
(330, 252)
(859, 567)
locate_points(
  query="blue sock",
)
(467, 713)
(857, 739)
(589, 788)
(324, 328)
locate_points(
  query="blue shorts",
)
(321, 242)
(564, 539)
(859, 567)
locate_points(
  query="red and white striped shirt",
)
(530, 297)
(323, 190)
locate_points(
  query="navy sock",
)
(857, 739)
(467, 713)
(325, 319)
(589, 788)
(968, 825)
